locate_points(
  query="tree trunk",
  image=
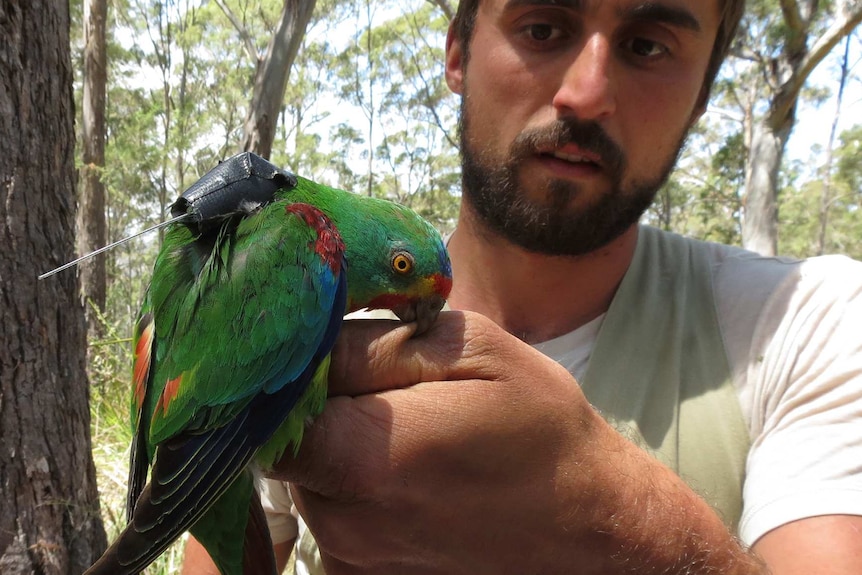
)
(826, 195)
(49, 516)
(271, 78)
(92, 226)
(760, 215)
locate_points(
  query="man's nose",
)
(587, 89)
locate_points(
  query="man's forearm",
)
(655, 523)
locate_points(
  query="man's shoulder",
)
(719, 253)
(754, 295)
(751, 290)
(734, 268)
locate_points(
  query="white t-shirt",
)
(793, 335)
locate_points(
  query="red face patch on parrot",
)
(329, 245)
(442, 284)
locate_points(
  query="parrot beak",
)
(423, 311)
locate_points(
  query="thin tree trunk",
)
(49, 516)
(271, 77)
(826, 194)
(164, 49)
(92, 227)
(182, 104)
(369, 51)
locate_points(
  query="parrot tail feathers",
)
(190, 473)
(258, 556)
(235, 533)
(138, 467)
(162, 513)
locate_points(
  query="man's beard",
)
(553, 227)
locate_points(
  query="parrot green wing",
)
(247, 319)
(230, 337)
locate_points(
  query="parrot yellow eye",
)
(402, 263)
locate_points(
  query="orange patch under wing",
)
(172, 387)
(143, 356)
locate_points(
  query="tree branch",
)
(445, 6)
(426, 91)
(796, 25)
(247, 42)
(746, 53)
(850, 15)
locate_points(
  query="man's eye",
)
(645, 48)
(542, 32)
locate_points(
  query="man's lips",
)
(573, 158)
(571, 161)
(574, 153)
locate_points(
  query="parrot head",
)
(396, 260)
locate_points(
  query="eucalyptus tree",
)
(801, 230)
(91, 222)
(307, 140)
(849, 161)
(272, 70)
(49, 519)
(780, 44)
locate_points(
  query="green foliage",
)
(702, 196)
(850, 160)
(393, 74)
(804, 207)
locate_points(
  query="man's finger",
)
(376, 355)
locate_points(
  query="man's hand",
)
(467, 451)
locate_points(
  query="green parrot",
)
(232, 353)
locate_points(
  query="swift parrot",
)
(231, 350)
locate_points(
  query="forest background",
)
(351, 93)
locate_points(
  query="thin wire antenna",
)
(113, 245)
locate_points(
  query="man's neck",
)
(533, 296)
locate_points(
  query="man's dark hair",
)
(731, 13)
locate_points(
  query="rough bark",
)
(92, 225)
(49, 516)
(271, 77)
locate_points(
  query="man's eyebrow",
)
(644, 12)
(658, 12)
(573, 4)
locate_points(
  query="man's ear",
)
(454, 62)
